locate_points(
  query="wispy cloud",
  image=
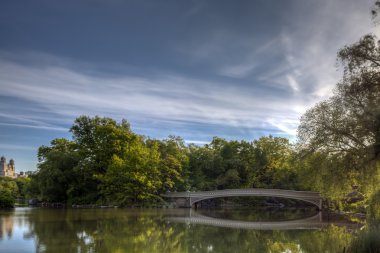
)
(17, 147)
(68, 93)
(197, 142)
(238, 71)
(292, 82)
(35, 127)
(301, 58)
(310, 49)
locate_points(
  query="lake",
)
(171, 230)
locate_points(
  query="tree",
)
(273, 163)
(135, 176)
(339, 138)
(6, 199)
(56, 179)
(8, 192)
(174, 163)
(98, 140)
(348, 123)
(375, 11)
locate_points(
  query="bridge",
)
(188, 199)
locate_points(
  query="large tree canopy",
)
(348, 123)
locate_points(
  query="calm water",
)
(168, 230)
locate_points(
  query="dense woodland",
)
(337, 153)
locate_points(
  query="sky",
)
(238, 70)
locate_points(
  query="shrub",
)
(6, 199)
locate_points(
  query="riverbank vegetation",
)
(12, 189)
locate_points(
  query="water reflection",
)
(6, 226)
(117, 230)
(259, 219)
(313, 222)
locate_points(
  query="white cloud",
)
(17, 147)
(288, 126)
(292, 83)
(303, 53)
(238, 71)
(197, 142)
(62, 129)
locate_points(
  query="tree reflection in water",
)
(118, 230)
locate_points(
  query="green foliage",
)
(97, 140)
(174, 162)
(107, 163)
(326, 174)
(9, 185)
(340, 137)
(8, 192)
(348, 123)
(374, 210)
(134, 177)
(265, 163)
(275, 169)
(6, 199)
(23, 185)
(367, 241)
(57, 177)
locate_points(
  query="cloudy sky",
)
(197, 69)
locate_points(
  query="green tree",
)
(8, 192)
(273, 167)
(174, 163)
(56, 178)
(23, 187)
(340, 137)
(98, 140)
(135, 176)
(6, 199)
(348, 123)
(10, 186)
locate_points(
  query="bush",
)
(368, 239)
(6, 199)
(374, 210)
(366, 242)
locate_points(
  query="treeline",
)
(337, 152)
(106, 163)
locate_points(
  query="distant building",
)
(7, 170)
(25, 174)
